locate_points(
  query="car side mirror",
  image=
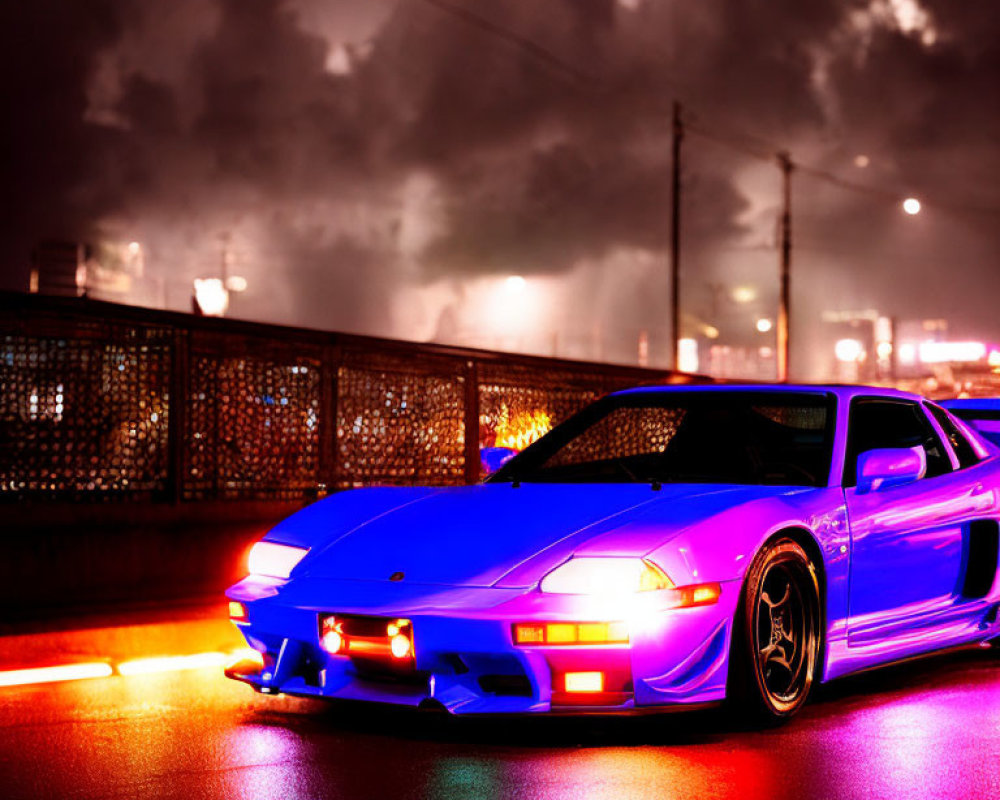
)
(890, 466)
(492, 458)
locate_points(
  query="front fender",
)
(721, 549)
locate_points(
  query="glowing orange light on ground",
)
(141, 666)
(65, 672)
(246, 656)
(150, 666)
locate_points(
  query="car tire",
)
(776, 634)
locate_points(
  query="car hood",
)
(475, 535)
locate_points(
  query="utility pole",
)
(675, 236)
(785, 162)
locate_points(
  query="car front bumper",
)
(465, 658)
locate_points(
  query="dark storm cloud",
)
(295, 130)
(270, 115)
(584, 161)
(48, 147)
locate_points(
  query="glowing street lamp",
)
(212, 296)
(911, 206)
(515, 283)
(764, 325)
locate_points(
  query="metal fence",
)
(107, 402)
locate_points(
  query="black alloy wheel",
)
(776, 636)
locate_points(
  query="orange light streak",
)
(148, 666)
(64, 672)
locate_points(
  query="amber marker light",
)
(699, 594)
(570, 633)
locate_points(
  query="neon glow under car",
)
(664, 548)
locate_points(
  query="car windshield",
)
(729, 436)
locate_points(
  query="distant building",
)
(59, 268)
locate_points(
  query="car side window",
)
(877, 422)
(967, 455)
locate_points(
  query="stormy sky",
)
(384, 166)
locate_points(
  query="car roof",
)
(842, 391)
(982, 403)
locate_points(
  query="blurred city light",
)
(744, 294)
(236, 283)
(848, 350)
(945, 352)
(515, 283)
(764, 325)
(911, 206)
(908, 353)
(687, 355)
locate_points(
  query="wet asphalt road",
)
(926, 730)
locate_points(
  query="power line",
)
(761, 153)
(739, 140)
(533, 49)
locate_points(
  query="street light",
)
(911, 206)
(515, 283)
(211, 296)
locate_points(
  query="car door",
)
(906, 541)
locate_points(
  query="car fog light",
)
(332, 636)
(584, 681)
(400, 645)
(332, 642)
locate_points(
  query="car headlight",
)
(605, 576)
(274, 560)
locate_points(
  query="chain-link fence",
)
(107, 402)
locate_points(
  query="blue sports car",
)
(664, 548)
